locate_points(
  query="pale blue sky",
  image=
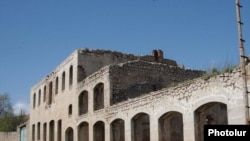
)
(37, 35)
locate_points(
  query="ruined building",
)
(98, 95)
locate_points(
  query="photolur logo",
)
(215, 132)
(226, 132)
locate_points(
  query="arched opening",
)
(57, 83)
(33, 132)
(44, 94)
(140, 127)
(171, 127)
(45, 131)
(209, 114)
(70, 110)
(59, 130)
(99, 96)
(23, 133)
(83, 132)
(63, 80)
(117, 130)
(39, 97)
(50, 93)
(71, 75)
(69, 134)
(51, 131)
(83, 103)
(99, 131)
(38, 131)
(34, 100)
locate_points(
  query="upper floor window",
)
(39, 97)
(70, 110)
(71, 75)
(34, 100)
(63, 80)
(83, 103)
(44, 94)
(50, 93)
(57, 81)
(99, 96)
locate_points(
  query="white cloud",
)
(21, 106)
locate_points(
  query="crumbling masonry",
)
(98, 95)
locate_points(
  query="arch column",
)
(188, 126)
(127, 130)
(91, 101)
(154, 129)
(107, 131)
(55, 131)
(107, 92)
(75, 135)
(91, 135)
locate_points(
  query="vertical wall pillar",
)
(41, 131)
(188, 126)
(107, 131)
(91, 134)
(128, 128)
(107, 94)
(154, 134)
(75, 133)
(55, 131)
(91, 101)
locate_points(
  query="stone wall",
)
(183, 92)
(101, 58)
(135, 78)
(9, 136)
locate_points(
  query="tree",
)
(8, 120)
(5, 105)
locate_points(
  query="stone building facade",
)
(98, 95)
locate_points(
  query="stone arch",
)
(83, 103)
(140, 127)
(170, 108)
(98, 96)
(209, 114)
(83, 131)
(117, 130)
(171, 127)
(122, 116)
(99, 131)
(207, 99)
(134, 113)
(69, 134)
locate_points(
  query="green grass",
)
(216, 71)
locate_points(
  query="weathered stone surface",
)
(142, 96)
